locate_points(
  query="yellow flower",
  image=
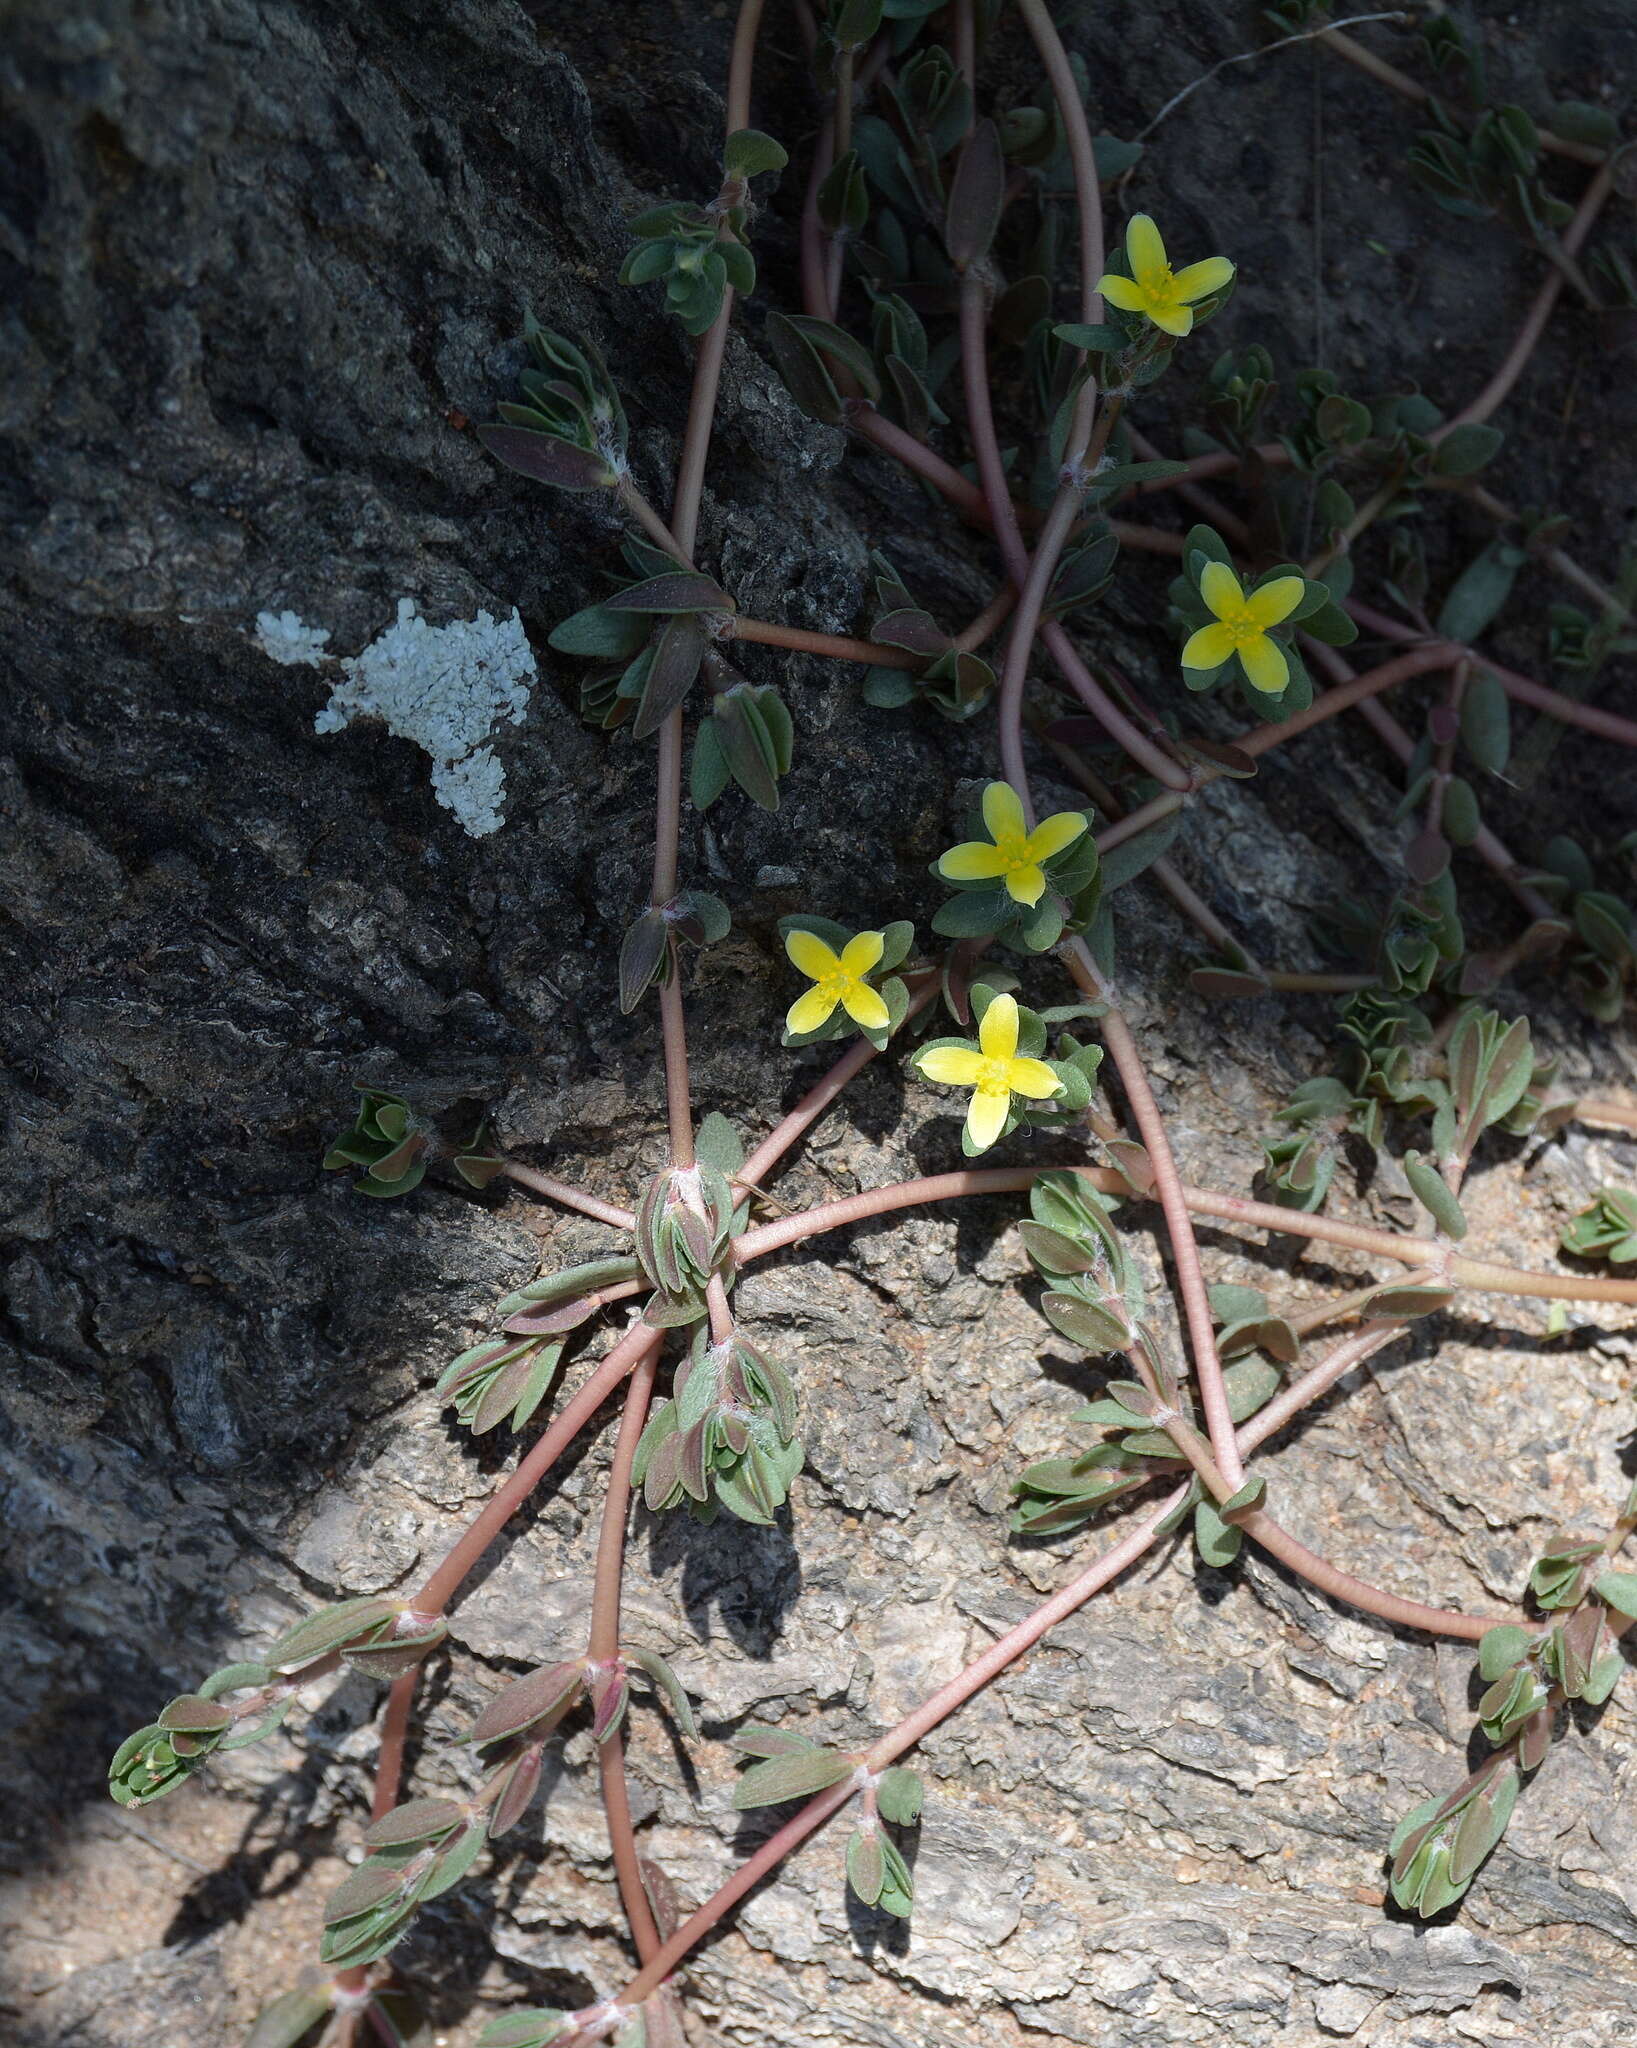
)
(1242, 626)
(1154, 288)
(994, 1072)
(836, 978)
(1016, 854)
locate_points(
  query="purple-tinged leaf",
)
(866, 1865)
(642, 954)
(191, 1715)
(547, 459)
(671, 673)
(610, 1690)
(522, 1776)
(420, 1820)
(684, 591)
(546, 1692)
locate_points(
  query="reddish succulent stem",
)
(1606, 724)
(603, 1647)
(817, 1100)
(389, 1762)
(1213, 1393)
(570, 1197)
(1498, 389)
(908, 1732)
(1442, 654)
(440, 1588)
(837, 646)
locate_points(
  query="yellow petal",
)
(1052, 834)
(1221, 589)
(986, 1116)
(865, 1006)
(808, 1012)
(971, 861)
(1033, 1078)
(1173, 319)
(1002, 813)
(997, 1034)
(811, 955)
(1265, 664)
(1208, 648)
(1276, 600)
(860, 954)
(1122, 292)
(1026, 885)
(1199, 279)
(1143, 247)
(955, 1065)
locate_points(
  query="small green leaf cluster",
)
(1437, 1848)
(388, 1140)
(1093, 1291)
(877, 1873)
(956, 684)
(726, 1438)
(395, 1146)
(1602, 960)
(158, 1758)
(571, 430)
(416, 1854)
(378, 1634)
(694, 253)
(747, 738)
(684, 1224)
(791, 1766)
(1605, 1229)
(1492, 168)
(648, 949)
(1059, 1493)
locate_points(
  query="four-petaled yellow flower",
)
(1242, 626)
(994, 1073)
(836, 978)
(1016, 853)
(1154, 289)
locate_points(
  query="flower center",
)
(995, 1077)
(1160, 286)
(1013, 849)
(1242, 625)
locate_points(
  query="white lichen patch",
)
(283, 638)
(446, 688)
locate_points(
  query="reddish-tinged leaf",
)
(671, 673)
(368, 1887)
(522, 1776)
(544, 1692)
(685, 591)
(418, 1821)
(191, 1715)
(547, 459)
(609, 1692)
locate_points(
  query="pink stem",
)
(603, 1647)
(571, 1198)
(440, 1588)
